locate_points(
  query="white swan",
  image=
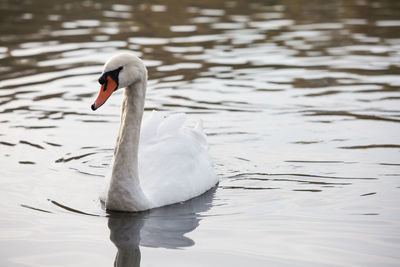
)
(171, 162)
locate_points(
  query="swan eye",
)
(113, 74)
(102, 79)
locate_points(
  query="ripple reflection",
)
(163, 227)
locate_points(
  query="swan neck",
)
(131, 120)
(125, 192)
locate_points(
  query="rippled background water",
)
(300, 100)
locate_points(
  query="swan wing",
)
(174, 163)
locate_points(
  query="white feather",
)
(175, 166)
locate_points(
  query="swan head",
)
(119, 71)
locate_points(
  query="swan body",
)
(157, 162)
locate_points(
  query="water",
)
(300, 100)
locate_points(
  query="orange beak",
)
(106, 90)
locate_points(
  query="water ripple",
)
(300, 101)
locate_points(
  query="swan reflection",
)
(162, 227)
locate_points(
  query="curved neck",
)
(131, 120)
(125, 192)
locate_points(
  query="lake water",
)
(300, 101)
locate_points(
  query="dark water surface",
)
(300, 100)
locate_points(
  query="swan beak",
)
(106, 90)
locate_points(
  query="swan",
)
(157, 163)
